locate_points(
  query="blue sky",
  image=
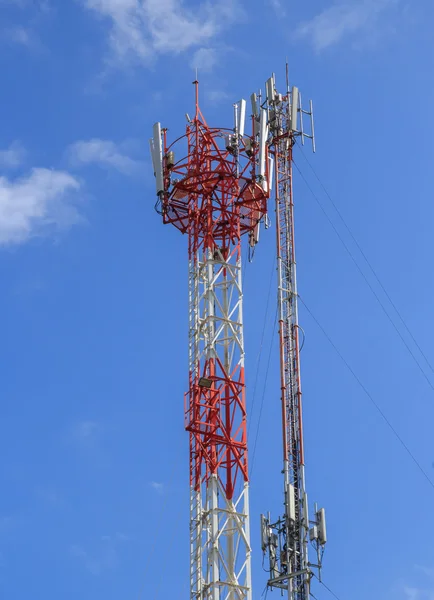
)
(94, 475)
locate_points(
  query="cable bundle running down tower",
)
(216, 193)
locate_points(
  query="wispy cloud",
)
(12, 157)
(424, 590)
(24, 32)
(49, 495)
(428, 571)
(85, 430)
(415, 593)
(344, 18)
(6, 523)
(42, 5)
(141, 29)
(19, 35)
(103, 556)
(19, 3)
(158, 487)
(39, 202)
(278, 7)
(216, 96)
(103, 153)
(204, 59)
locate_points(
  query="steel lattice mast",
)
(287, 540)
(215, 194)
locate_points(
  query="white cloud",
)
(216, 96)
(343, 18)
(85, 430)
(413, 593)
(140, 29)
(40, 201)
(103, 153)
(5, 523)
(104, 559)
(104, 555)
(158, 487)
(20, 3)
(43, 5)
(423, 590)
(48, 495)
(278, 7)
(20, 35)
(13, 156)
(204, 59)
(428, 571)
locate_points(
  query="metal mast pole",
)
(214, 195)
(287, 540)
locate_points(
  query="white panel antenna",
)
(294, 109)
(290, 502)
(270, 172)
(322, 530)
(254, 102)
(241, 117)
(313, 533)
(312, 125)
(269, 89)
(263, 134)
(305, 511)
(236, 117)
(151, 147)
(264, 533)
(158, 158)
(256, 231)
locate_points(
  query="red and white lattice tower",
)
(215, 192)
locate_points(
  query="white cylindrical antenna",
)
(312, 126)
(262, 142)
(158, 157)
(241, 117)
(270, 172)
(294, 108)
(254, 102)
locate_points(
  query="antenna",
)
(241, 118)
(254, 102)
(263, 134)
(270, 172)
(294, 108)
(312, 126)
(158, 158)
(269, 89)
(151, 147)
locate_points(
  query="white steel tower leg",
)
(220, 544)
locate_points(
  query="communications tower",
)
(215, 190)
(286, 539)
